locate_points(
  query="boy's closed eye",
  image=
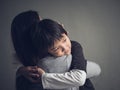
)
(64, 40)
(55, 49)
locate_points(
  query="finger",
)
(33, 71)
(32, 67)
(34, 75)
(40, 70)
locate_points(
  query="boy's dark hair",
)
(45, 34)
(20, 29)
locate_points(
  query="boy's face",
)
(61, 47)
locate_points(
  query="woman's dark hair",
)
(45, 34)
(20, 29)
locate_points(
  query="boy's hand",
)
(30, 72)
(40, 71)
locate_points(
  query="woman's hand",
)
(30, 72)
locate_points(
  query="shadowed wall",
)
(93, 23)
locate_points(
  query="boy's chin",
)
(68, 53)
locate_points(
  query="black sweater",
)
(79, 62)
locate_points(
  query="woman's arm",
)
(78, 60)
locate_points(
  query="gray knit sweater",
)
(57, 65)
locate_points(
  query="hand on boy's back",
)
(32, 73)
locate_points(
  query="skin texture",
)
(61, 47)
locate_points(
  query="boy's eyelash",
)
(55, 49)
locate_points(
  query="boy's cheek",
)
(59, 54)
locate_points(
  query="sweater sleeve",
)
(78, 60)
(74, 78)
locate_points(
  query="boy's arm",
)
(70, 79)
(73, 78)
(78, 64)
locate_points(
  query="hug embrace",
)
(49, 60)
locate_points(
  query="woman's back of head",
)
(20, 35)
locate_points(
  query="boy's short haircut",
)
(45, 34)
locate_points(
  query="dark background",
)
(93, 23)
